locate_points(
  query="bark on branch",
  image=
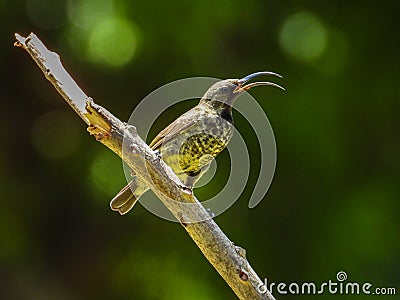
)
(229, 260)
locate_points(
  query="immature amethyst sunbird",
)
(189, 144)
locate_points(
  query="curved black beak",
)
(242, 86)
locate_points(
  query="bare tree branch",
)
(229, 260)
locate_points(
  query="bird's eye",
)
(225, 90)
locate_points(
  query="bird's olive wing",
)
(185, 121)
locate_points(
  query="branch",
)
(229, 260)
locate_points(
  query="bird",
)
(194, 139)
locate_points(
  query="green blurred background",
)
(334, 202)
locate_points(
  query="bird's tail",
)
(127, 197)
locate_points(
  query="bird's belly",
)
(189, 152)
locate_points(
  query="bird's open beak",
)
(242, 86)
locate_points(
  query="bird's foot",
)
(186, 189)
(158, 153)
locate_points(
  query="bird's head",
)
(225, 92)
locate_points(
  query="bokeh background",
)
(333, 204)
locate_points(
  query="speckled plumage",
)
(189, 144)
(193, 140)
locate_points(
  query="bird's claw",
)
(186, 189)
